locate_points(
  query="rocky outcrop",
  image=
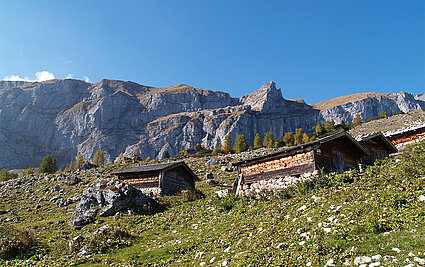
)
(110, 197)
(66, 117)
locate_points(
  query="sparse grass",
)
(342, 215)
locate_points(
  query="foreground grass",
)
(337, 216)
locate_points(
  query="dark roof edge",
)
(382, 136)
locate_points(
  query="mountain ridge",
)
(64, 117)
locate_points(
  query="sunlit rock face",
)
(65, 117)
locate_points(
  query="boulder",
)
(110, 196)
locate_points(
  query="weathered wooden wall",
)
(291, 165)
(327, 157)
(145, 182)
(175, 181)
(375, 150)
(404, 140)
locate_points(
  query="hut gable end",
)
(160, 179)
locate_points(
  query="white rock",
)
(373, 264)
(212, 260)
(303, 207)
(301, 243)
(421, 261)
(330, 262)
(411, 254)
(376, 257)
(227, 249)
(327, 230)
(202, 263)
(362, 260)
(309, 263)
(396, 250)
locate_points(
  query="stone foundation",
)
(268, 189)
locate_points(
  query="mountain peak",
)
(268, 96)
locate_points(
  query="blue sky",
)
(312, 49)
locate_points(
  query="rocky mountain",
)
(66, 117)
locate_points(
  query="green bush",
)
(191, 195)
(48, 165)
(15, 241)
(6, 175)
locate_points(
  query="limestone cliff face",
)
(66, 117)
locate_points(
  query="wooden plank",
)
(279, 173)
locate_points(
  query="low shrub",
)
(15, 241)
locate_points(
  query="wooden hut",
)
(377, 146)
(338, 153)
(159, 179)
(405, 137)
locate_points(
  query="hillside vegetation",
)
(333, 219)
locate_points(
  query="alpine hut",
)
(160, 179)
(338, 153)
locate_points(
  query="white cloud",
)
(44, 76)
(16, 78)
(40, 76)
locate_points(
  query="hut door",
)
(337, 161)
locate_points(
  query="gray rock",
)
(212, 161)
(209, 176)
(61, 202)
(110, 197)
(66, 117)
(57, 188)
(362, 260)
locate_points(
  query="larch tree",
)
(99, 158)
(268, 140)
(288, 139)
(240, 144)
(257, 141)
(227, 148)
(305, 139)
(298, 137)
(79, 161)
(357, 119)
(319, 128)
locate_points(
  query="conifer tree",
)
(215, 151)
(319, 128)
(343, 125)
(305, 139)
(288, 139)
(383, 115)
(227, 148)
(357, 120)
(99, 158)
(268, 140)
(329, 125)
(298, 137)
(240, 144)
(278, 143)
(166, 155)
(47, 165)
(79, 161)
(148, 158)
(257, 141)
(6, 175)
(28, 171)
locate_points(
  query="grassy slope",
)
(390, 124)
(342, 218)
